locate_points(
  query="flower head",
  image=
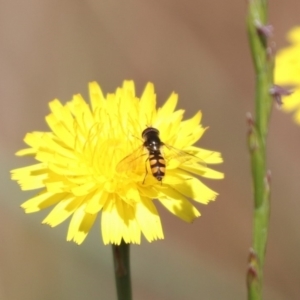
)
(287, 73)
(94, 160)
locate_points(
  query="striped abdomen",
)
(157, 164)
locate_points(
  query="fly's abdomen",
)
(157, 165)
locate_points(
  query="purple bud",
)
(250, 122)
(278, 91)
(264, 30)
(252, 258)
(252, 270)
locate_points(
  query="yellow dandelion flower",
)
(95, 160)
(287, 72)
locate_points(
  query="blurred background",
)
(199, 49)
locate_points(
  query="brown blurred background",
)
(199, 49)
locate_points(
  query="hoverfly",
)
(153, 144)
(154, 150)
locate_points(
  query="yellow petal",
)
(84, 188)
(83, 116)
(128, 86)
(170, 126)
(58, 186)
(190, 124)
(208, 156)
(80, 225)
(118, 223)
(30, 182)
(62, 210)
(96, 96)
(193, 188)
(148, 220)
(96, 201)
(169, 106)
(292, 102)
(60, 130)
(147, 106)
(204, 172)
(34, 139)
(131, 229)
(294, 35)
(297, 117)
(26, 171)
(25, 152)
(62, 114)
(52, 146)
(42, 201)
(178, 205)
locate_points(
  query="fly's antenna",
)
(137, 137)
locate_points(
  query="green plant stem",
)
(122, 270)
(263, 65)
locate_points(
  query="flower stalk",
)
(121, 257)
(258, 128)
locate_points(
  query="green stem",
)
(263, 65)
(122, 270)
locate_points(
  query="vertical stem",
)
(263, 65)
(122, 270)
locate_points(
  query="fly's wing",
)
(133, 160)
(188, 158)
